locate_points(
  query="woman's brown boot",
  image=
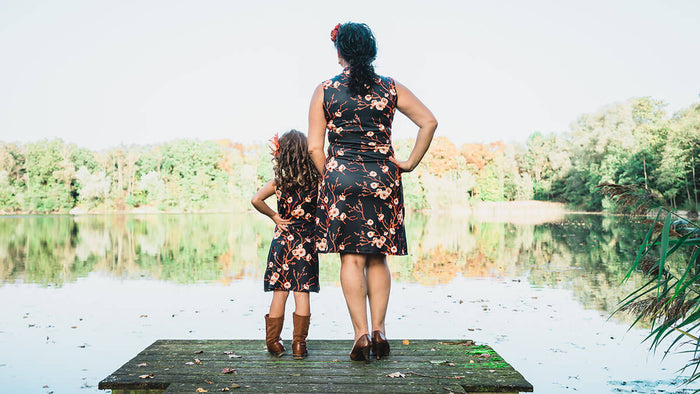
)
(301, 330)
(273, 329)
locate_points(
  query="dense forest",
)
(633, 142)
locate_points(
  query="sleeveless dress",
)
(360, 206)
(292, 263)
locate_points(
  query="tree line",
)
(634, 142)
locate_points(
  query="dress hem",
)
(363, 252)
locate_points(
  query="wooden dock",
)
(176, 366)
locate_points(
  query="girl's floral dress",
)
(292, 263)
(360, 206)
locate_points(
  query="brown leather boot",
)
(273, 329)
(301, 330)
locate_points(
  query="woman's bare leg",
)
(279, 299)
(378, 289)
(354, 284)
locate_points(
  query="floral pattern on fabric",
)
(360, 207)
(292, 263)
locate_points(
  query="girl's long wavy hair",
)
(356, 44)
(292, 165)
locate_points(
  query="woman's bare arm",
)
(419, 114)
(317, 130)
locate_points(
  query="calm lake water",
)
(82, 295)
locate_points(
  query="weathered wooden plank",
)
(425, 365)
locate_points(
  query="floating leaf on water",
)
(396, 375)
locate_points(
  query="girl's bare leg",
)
(302, 303)
(378, 289)
(354, 284)
(279, 299)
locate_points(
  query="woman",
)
(360, 209)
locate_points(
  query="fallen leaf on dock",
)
(229, 352)
(396, 375)
(148, 376)
(199, 352)
(235, 386)
(467, 342)
(189, 363)
(142, 365)
(143, 316)
(228, 370)
(201, 390)
(196, 361)
(406, 342)
(439, 361)
(234, 356)
(208, 381)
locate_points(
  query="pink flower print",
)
(400, 217)
(368, 97)
(370, 133)
(299, 251)
(341, 247)
(277, 234)
(287, 285)
(343, 216)
(370, 234)
(339, 130)
(330, 125)
(383, 194)
(393, 249)
(307, 199)
(308, 257)
(285, 267)
(396, 201)
(341, 167)
(274, 277)
(383, 149)
(370, 222)
(327, 84)
(278, 193)
(374, 185)
(332, 164)
(372, 174)
(333, 212)
(341, 152)
(338, 114)
(289, 200)
(341, 197)
(318, 220)
(322, 244)
(372, 143)
(391, 230)
(381, 127)
(307, 216)
(397, 182)
(306, 286)
(377, 242)
(392, 92)
(336, 84)
(385, 169)
(298, 212)
(290, 237)
(325, 200)
(380, 217)
(269, 264)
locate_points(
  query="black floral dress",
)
(292, 263)
(360, 207)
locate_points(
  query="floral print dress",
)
(360, 207)
(292, 263)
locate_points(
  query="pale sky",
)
(104, 73)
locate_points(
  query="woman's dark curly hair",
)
(292, 165)
(356, 44)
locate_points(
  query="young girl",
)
(292, 263)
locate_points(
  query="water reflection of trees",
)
(588, 254)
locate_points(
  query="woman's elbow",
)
(314, 149)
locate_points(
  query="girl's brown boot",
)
(301, 330)
(273, 329)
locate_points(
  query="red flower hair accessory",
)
(334, 32)
(275, 145)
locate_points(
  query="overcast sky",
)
(103, 73)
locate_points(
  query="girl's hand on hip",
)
(280, 222)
